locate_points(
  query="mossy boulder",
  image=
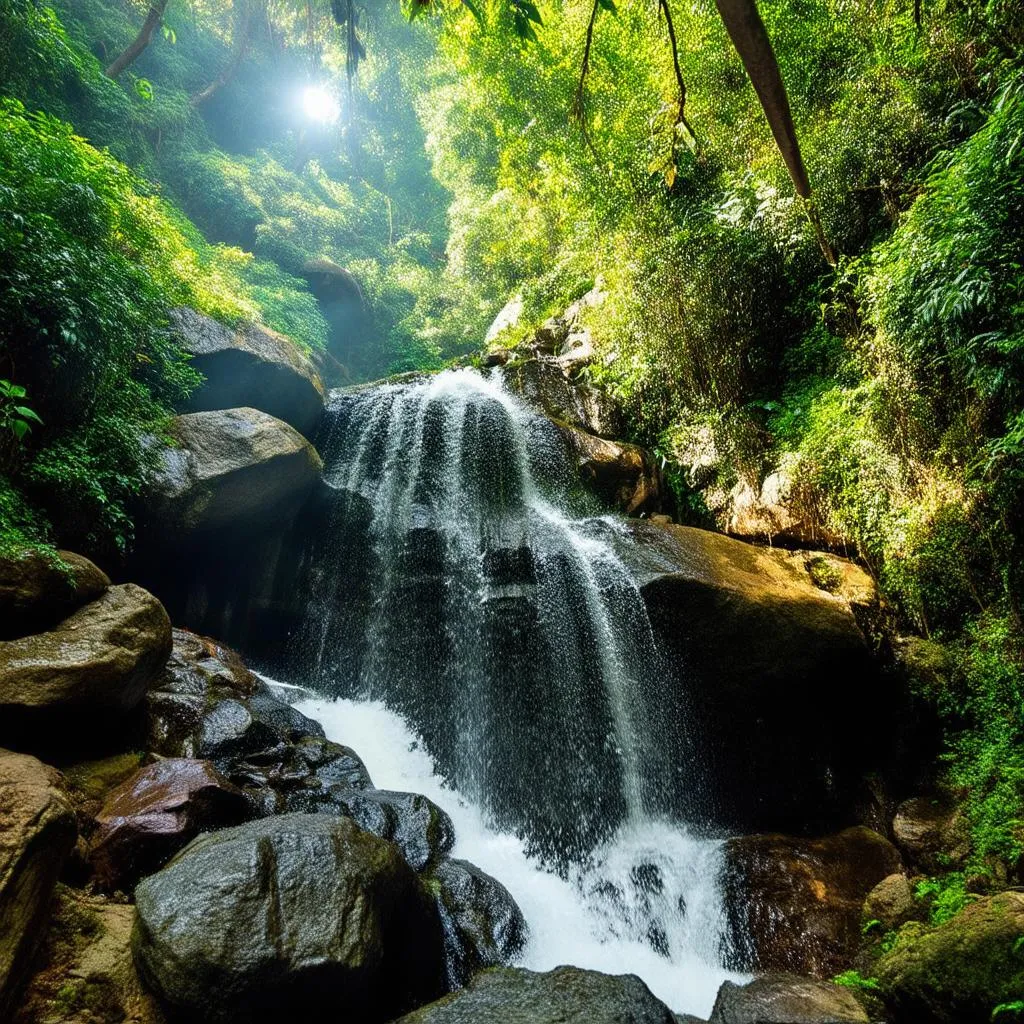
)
(37, 589)
(960, 971)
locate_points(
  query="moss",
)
(825, 575)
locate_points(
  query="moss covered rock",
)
(960, 971)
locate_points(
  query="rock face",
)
(544, 384)
(566, 995)
(250, 366)
(798, 902)
(932, 832)
(153, 814)
(624, 476)
(102, 658)
(786, 999)
(236, 468)
(208, 705)
(483, 925)
(37, 832)
(292, 915)
(37, 592)
(345, 309)
(960, 971)
(755, 638)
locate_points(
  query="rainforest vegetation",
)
(455, 156)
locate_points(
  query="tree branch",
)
(241, 48)
(141, 41)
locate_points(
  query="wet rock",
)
(347, 313)
(417, 826)
(798, 902)
(960, 971)
(251, 366)
(207, 704)
(566, 995)
(544, 384)
(37, 591)
(484, 926)
(156, 812)
(932, 832)
(37, 833)
(891, 902)
(233, 468)
(754, 637)
(294, 915)
(624, 476)
(786, 999)
(102, 658)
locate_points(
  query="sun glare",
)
(319, 104)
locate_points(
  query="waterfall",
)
(465, 588)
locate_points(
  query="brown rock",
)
(155, 813)
(37, 833)
(932, 832)
(786, 999)
(891, 902)
(798, 901)
(765, 653)
(37, 591)
(86, 972)
(623, 475)
(103, 657)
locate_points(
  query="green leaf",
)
(20, 428)
(608, 5)
(26, 413)
(169, 34)
(144, 89)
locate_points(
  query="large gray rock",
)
(484, 926)
(758, 644)
(298, 915)
(786, 999)
(232, 468)
(251, 366)
(37, 832)
(102, 658)
(566, 995)
(38, 590)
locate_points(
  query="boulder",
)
(419, 828)
(566, 995)
(624, 476)
(234, 468)
(891, 902)
(37, 833)
(86, 974)
(958, 972)
(932, 832)
(252, 366)
(754, 639)
(102, 658)
(156, 812)
(786, 999)
(208, 705)
(38, 590)
(346, 311)
(796, 903)
(543, 383)
(295, 915)
(484, 926)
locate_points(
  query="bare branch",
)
(153, 18)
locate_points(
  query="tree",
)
(154, 16)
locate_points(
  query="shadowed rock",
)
(786, 999)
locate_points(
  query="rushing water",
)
(473, 617)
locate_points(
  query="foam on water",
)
(647, 903)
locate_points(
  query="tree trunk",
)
(241, 48)
(141, 41)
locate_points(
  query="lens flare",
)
(319, 104)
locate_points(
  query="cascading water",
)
(461, 586)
